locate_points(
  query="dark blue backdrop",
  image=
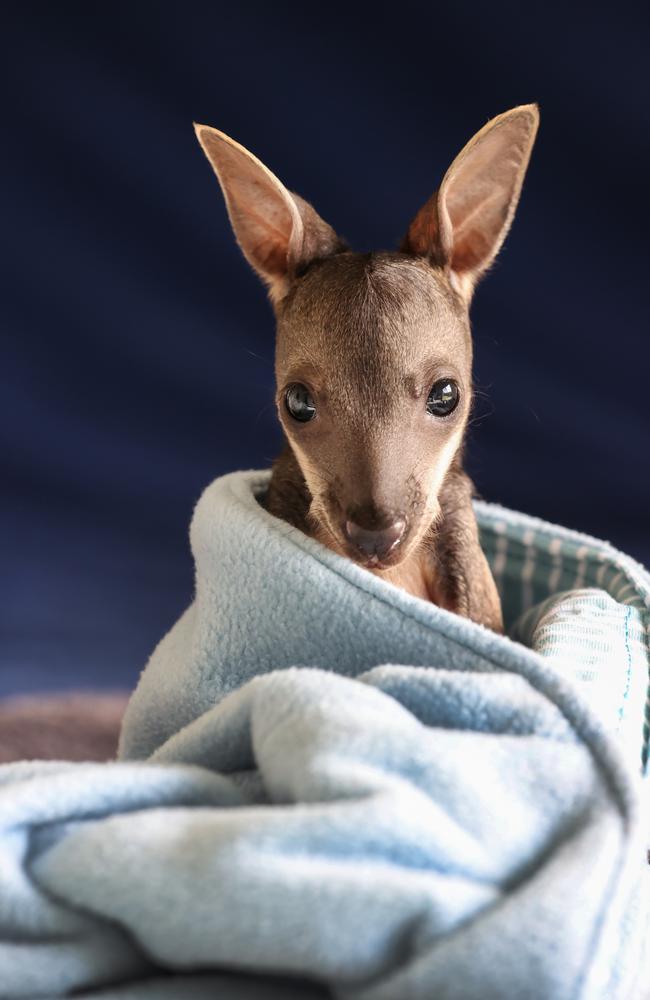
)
(137, 346)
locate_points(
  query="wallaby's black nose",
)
(376, 543)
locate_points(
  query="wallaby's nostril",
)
(375, 543)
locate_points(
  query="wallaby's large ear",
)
(279, 232)
(463, 225)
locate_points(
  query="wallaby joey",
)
(374, 363)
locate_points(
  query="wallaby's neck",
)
(288, 496)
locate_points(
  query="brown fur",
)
(368, 335)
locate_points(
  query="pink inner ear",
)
(462, 226)
(264, 217)
(476, 230)
(259, 212)
(264, 239)
(422, 236)
(279, 232)
(481, 191)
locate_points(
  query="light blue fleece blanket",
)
(293, 816)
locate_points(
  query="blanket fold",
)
(325, 779)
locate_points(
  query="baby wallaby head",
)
(373, 365)
(373, 351)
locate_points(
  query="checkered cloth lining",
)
(600, 640)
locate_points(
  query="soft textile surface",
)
(603, 646)
(460, 826)
(77, 726)
(420, 833)
(588, 635)
(268, 597)
(222, 986)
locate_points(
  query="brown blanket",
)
(77, 726)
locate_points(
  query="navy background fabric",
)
(137, 345)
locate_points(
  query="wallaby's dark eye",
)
(443, 398)
(299, 403)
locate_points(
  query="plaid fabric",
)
(603, 642)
